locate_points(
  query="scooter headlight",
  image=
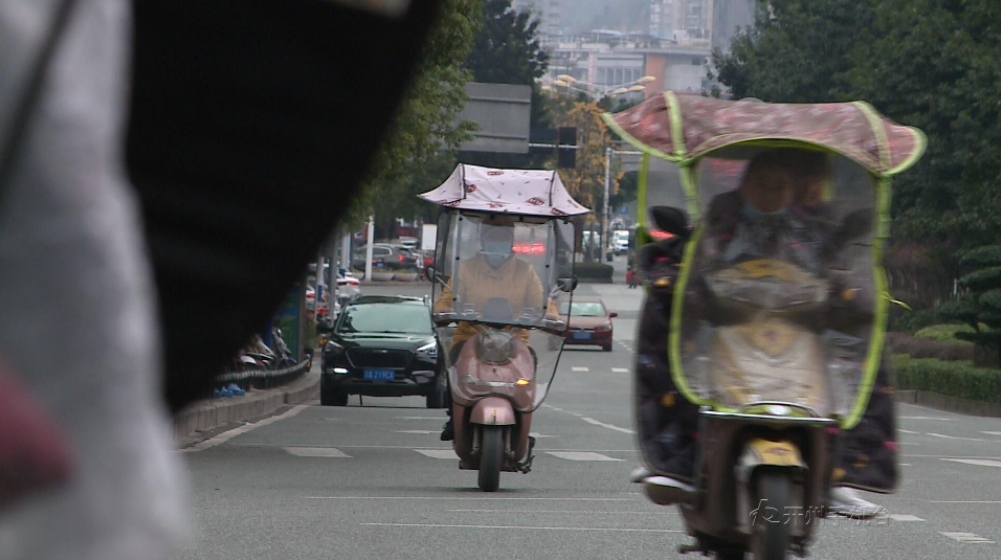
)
(495, 347)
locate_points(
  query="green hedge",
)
(945, 334)
(954, 379)
(594, 271)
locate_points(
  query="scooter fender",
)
(493, 411)
(762, 453)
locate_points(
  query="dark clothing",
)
(668, 422)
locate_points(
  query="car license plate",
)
(582, 336)
(379, 375)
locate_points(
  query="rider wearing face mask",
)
(778, 187)
(492, 273)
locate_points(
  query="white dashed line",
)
(435, 418)
(927, 418)
(423, 432)
(609, 426)
(977, 462)
(620, 370)
(582, 456)
(520, 527)
(969, 538)
(903, 431)
(438, 453)
(317, 452)
(992, 433)
(904, 517)
(943, 436)
(580, 369)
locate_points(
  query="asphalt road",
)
(374, 482)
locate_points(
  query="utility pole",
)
(368, 248)
(604, 209)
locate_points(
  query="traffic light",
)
(567, 158)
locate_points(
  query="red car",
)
(590, 323)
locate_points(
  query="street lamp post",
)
(604, 211)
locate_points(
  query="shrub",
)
(594, 271)
(954, 379)
(914, 321)
(899, 343)
(945, 334)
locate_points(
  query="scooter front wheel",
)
(771, 537)
(491, 455)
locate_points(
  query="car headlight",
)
(333, 347)
(495, 347)
(429, 350)
(603, 328)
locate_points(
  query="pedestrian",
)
(631, 278)
(310, 337)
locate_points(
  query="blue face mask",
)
(499, 248)
(752, 213)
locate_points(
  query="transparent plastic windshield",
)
(497, 298)
(503, 270)
(781, 295)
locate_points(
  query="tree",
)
(425, 133)
(507, 51)
(980, 307)
(927, 63)
(797, 51)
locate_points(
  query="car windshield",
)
(584, 309)
(386, 318)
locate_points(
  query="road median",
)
(205, 416)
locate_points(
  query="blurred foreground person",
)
(123, 301)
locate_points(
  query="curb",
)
(949, 404)
(212, 414)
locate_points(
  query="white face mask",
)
(497, 252)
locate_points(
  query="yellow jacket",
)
(515, 281)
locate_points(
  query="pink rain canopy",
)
(527, 192)
(685, 127)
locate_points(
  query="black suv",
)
(384, 255)
(383, 346)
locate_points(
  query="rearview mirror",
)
(567, 284)
(613, 314)
(670, 219)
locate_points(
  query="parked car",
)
(409, 242)
(383, 346)
(348, 287)
(385, 255)
(590, 323)
(620, 242)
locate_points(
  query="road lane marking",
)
(969, 538)
(904, 517)
(228, 435)
(977, 462)
(582, 456)
(435, 418)
(480, 498)
(620, 370)
(943, 436)
(903, 431)
(905, 464)
(537, 435)
(566, 511)
(423, 432)
(519, 527)
(992, 433)
(438, 453)
(964, 502)
(609, 426)
(324, 452)
(580, 369)
(927, 418)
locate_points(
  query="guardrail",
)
(262, 378)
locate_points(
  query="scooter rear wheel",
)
(771, 537)
(491, 455)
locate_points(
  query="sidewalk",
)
(215, 413)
